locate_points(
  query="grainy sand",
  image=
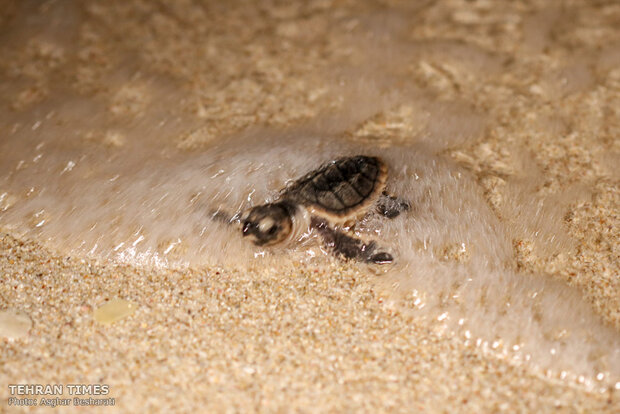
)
(303, 338)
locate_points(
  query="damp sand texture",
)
(125, 125)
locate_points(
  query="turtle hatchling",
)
(328, 199)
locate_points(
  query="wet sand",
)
(539, 89)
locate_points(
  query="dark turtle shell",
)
(340, 188)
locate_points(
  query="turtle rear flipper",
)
(351, 247)
(391, 206)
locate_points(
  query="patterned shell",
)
(341, 188)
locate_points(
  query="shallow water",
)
(149, 204)
(114, 188)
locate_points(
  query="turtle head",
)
(268, 224)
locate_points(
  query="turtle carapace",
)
(338, 192)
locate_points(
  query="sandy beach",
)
(508, 111)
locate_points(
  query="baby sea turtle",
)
(327, 199)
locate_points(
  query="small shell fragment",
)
(114, 310)
(14, 324)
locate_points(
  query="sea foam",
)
(113, 183)
(149, 204)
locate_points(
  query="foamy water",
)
(119, 189)
(146, 203)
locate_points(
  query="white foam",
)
(153, 206)
(119, 189)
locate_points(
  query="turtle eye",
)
(266, 224)
(272, 230)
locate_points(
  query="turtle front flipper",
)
(391, 206)
(350, 247)
(224, 217)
